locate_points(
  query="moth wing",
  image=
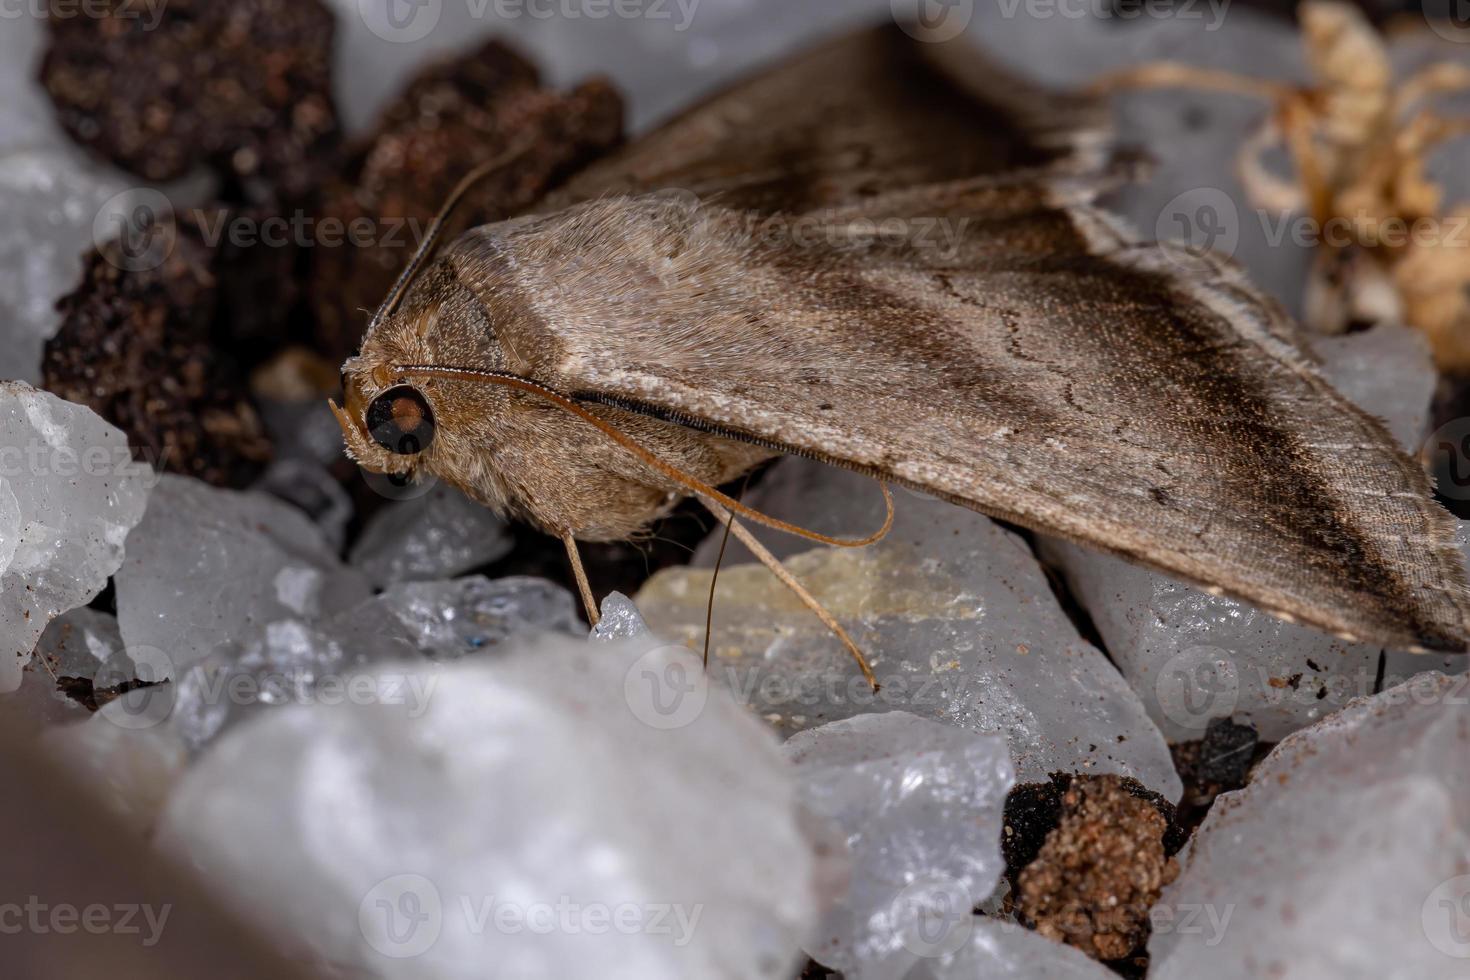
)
(1037, 365)
(873, 111)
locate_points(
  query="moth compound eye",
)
(401, 421)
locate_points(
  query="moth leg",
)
(790, 581)
(580, 574)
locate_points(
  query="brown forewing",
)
(855, 117)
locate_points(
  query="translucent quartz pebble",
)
(1347, 855)
(528, 816)
(69, 493)
(208, 569)
(954, 613)
(920, 804)
(437, 535)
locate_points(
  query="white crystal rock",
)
(27, 121)
(76, 645)
(999, 950)
(437, 535)
(1347, 856)
(314, 491)
(920, 804)
(298, 663)
(528, 816)
(52, 201)
(69, 492)
(130, 768)
(208, 569)
(953, 612)
(619, 619)
(447, 620)
(1193, 656)
(291, 663)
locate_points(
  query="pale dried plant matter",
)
(1388, 248)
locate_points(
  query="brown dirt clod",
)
(135, 346)
(1099, 870)
(242, 86)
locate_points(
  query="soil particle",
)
(241, 86)
(1088, 857)
(1218, 763)
(136, 346)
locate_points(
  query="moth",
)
(749, 281)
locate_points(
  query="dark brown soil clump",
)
(136, 346)
(241, 86)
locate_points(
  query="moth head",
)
(401, 422)
(387, 424)
(427, 318)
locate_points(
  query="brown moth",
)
(583, 367)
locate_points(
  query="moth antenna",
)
(691, 483)
(426, 248)
(709, 609)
